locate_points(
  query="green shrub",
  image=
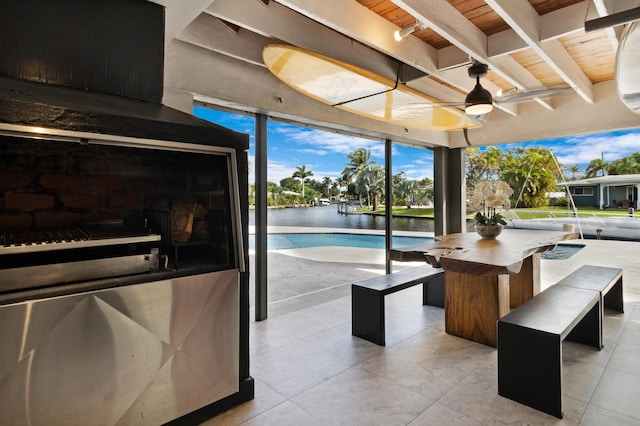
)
(559, 202)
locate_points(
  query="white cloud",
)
(417, 163)
(316, 147)
(419, 173)
(583, 149)
(321, 174)
(326, 142)
(313, 151)
(276, 171)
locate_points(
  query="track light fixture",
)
(403, 32)
(479, 100)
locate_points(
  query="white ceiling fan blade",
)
(523, 95)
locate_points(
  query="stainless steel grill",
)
(17, 245)
(72, 238)
(117, 341)
(18, 239)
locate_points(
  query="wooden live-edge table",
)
(485, 278)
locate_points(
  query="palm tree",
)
(358, 161)
(596, 166)
(407, 190)
(343, 182)
(274, 189)
(326, 185)
(371, 181)
(335, 187)
(302, 173)
(624, 166)
(574, 168)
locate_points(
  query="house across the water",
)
(613, 191)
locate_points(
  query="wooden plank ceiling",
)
(527, 45)
(593, 52)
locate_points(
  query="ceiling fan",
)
(479, 101)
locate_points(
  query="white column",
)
(601, 196)
(638, 197)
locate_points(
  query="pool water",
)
(304, 240)
(562, 251)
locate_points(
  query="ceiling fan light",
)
(478, 101)
(478, 109)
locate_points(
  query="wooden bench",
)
(530, 344)
(367, 298)
(603, 279)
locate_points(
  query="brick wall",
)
(48, 184)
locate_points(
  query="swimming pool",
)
(562, 251)
(304, 240)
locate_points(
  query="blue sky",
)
(325, 153)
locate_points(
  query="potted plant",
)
(488, 198)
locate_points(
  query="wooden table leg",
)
(473, 304)
(525, 284)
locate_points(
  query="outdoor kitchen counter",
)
(33, 294)
(485, 278)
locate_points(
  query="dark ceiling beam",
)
(612, 20)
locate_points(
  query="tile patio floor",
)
(309, 370)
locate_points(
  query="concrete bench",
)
(367, 298)
(603, 279)
(530, 344)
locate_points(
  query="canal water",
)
(328, 217)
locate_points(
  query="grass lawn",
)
(545, 212)
(426, 212)
(540, 212)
